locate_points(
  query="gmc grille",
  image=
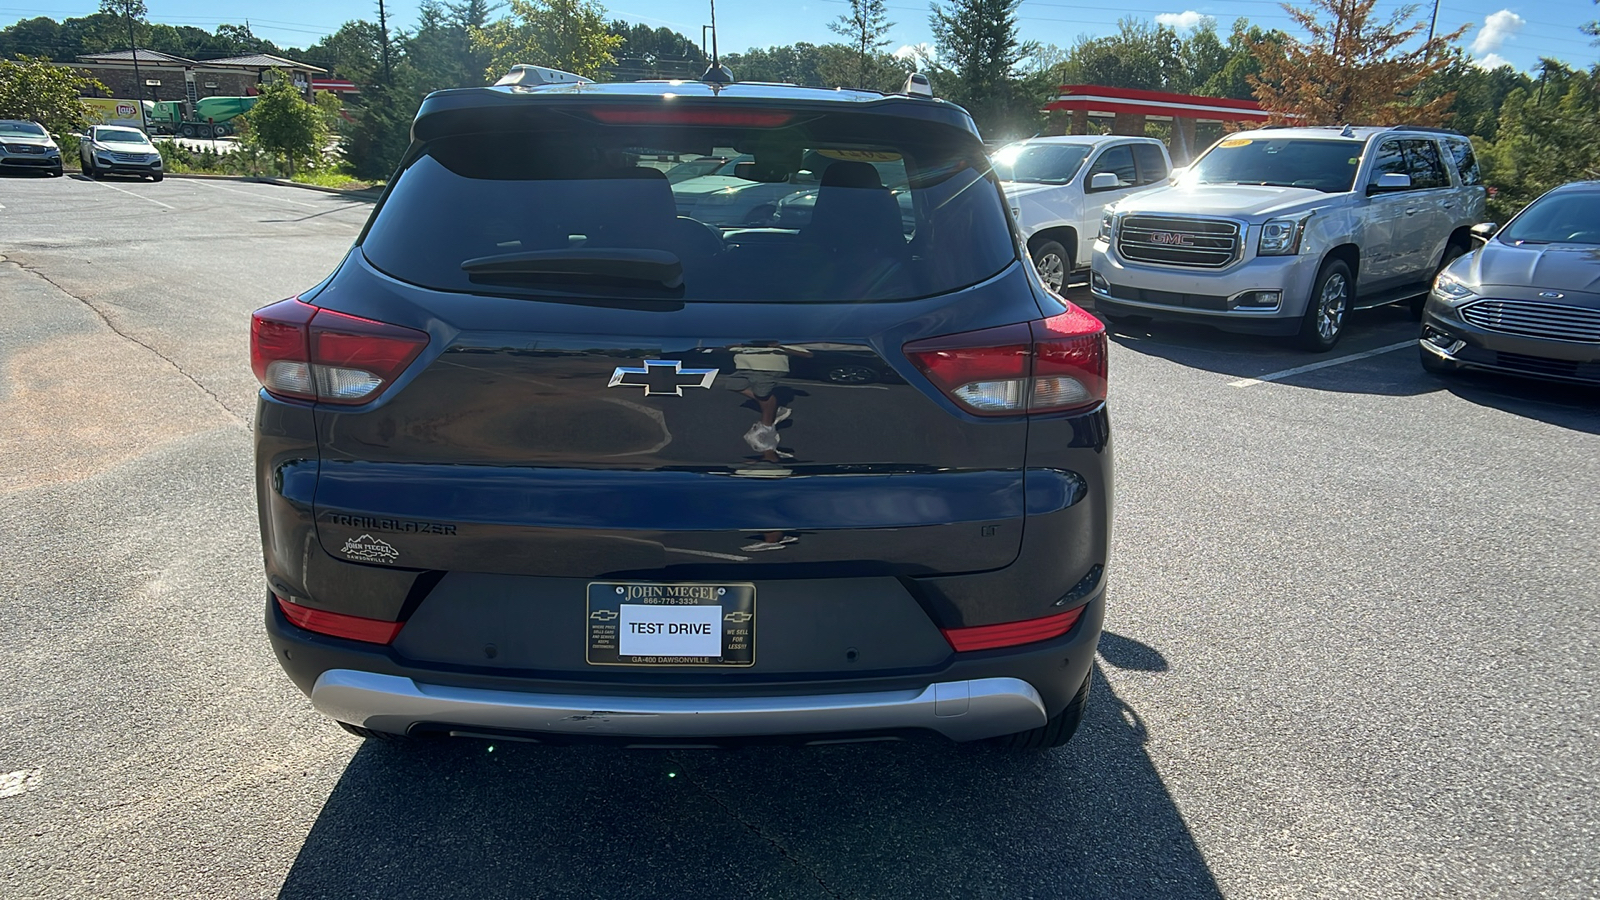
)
(1170, 241)
(1527, 318)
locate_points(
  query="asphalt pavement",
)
(1352, 637)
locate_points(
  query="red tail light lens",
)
(355, 628)
(1051, 365)
(300, 351)
(1012, 634)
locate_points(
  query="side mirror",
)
(1104, 181)
(1483, 231)
(1390, 181)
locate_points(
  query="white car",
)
(114, 150)
(1058, 188)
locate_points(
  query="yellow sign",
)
(103, 111)
(1235, 142)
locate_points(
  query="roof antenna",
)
(717, 73)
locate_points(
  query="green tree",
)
(865, 29)
(570, 35)
(43, 92)
(283, 123)
(979, 52)
(1540, 145)
(648, 52)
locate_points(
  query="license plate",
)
(652, 624)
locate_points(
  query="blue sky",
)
(1518, 33)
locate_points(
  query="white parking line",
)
(1275, 376)
(130, 193)
(260, 196)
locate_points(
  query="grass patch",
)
(336, 180)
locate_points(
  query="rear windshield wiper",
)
(647, 266)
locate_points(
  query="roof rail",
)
(1434, 129)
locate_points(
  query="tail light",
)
(298, 350)
(1012, 634)
(1050, 365)
(355, 628)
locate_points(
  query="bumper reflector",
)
(355, 628)
(1011, 634)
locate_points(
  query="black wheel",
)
(1451, 254)
(1055, 732)
(158, 176)
(1327, 307)
(1053, 262)
(187, 131)
(369, 734)
(55, 173)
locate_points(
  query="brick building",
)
(163, 76)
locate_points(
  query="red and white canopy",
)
(1094, 98)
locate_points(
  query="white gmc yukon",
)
(1059, 186)
(1285, 230)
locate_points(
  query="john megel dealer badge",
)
(370, 549)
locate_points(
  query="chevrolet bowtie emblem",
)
(662, 377)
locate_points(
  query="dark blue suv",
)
(804, 452)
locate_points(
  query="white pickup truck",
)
(1059, 187)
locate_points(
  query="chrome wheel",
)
(1051, 261)
(1331, 305)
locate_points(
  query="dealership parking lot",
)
(1352, 637)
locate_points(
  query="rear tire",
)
(371, 735)
(1451, 254)
(1053, 262)
(1058, 730)
(1327, 307)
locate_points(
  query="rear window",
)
(822, 211)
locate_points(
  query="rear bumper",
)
(967, 696)
(959, 710)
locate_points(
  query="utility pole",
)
(1427, 49)
(383, 26)
(138, 80)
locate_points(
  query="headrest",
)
(851, 175)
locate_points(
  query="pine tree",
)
(979, 47)
(1352, 70)
(866, 28)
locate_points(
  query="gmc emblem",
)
(1171, 238)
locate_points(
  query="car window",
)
(1040, 163)
(1152, 163)
(814, 221)
(20, 128)
(1119, 162)
(1424, 165)
(1571, 217)
(121, 135)
(1319, 164)
(1466, 161)
(1391, 160)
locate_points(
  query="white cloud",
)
(1491, 61)
(1185, 20)
(1498, 28)
(915, 52)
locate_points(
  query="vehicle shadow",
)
(1570, 406)
(917, 819)
(1251, 356)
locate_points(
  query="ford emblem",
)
(1551, 295)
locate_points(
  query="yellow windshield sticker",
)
(1235, 142)
(868, 156)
